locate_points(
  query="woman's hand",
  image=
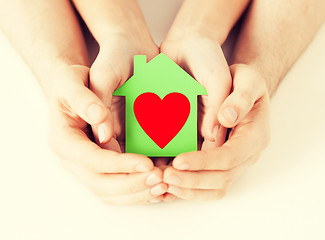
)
(115, 177)
(121, 32)
(203, 58)
(112, 67)
(208, 174)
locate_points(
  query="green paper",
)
(160, 76)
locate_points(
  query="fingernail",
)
(154, 200)
(157, 190)
(183, 166)
(101, 134)
(153, 179)
(94, 112)
(142, 168)
(230, 114)
(173, 179)
(174, 190)
(215, 132)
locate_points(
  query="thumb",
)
(217, 92)
(103, 82)
(248, 87)
(209, 67)
(80, 99)
(217, 84)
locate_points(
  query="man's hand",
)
(115, 177)
(207, 174)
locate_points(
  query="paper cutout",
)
(160, 76)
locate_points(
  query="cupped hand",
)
(202, 57)
(112, 67)
(208, 174)
(117, 178)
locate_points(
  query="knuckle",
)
(245, 99)
(220, 194)
(101, 70)
(94, 72)
(232, 159)
(133, 187)
(91, 165)
(204, 161)
(191, 195)
(195, 181)
(227, 164)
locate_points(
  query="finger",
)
(230, 155)
(199, 194)
(250, 136)
(103, 82)
(248, 87)
(114, 184)
(143, 197)
(235, 151)
(104, 132)
(73, 144)
(196, 194)
(168, 197)
(112, 145)
(219, 180)
(210, 68)
(207, 64)
(156, 199)
(80, 100)
(198, 179)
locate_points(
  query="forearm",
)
(113, 17)
(213, 18)
(275, 33)
(46, 34)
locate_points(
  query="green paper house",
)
(161, 108)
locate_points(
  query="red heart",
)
(161, 119)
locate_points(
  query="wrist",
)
(127, 36)
(124, 19)
(197, 29)
(179, 33)
(213, 19)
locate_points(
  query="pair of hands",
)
(122, 178)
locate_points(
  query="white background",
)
(280, 197)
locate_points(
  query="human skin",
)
(125, 178)
(194, 44)
(273, 35)
(48, 36)
(121, 34)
